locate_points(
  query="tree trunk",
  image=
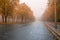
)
(2, 18)
(16, 19)
(22, 19)
(5, 19)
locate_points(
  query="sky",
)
(37, 6)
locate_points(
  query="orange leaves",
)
(24, 12)
(12, 8)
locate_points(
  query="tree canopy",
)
(14, 9)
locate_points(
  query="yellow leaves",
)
(24, 11)
(49, 13)
(13, 8)
(6, 7)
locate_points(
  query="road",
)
(32, 31)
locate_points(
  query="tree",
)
(25, 12)
(6, 8)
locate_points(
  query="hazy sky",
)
(37, 6)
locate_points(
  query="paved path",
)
(33, 31)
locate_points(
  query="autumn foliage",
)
(49, 12)
(13, 11)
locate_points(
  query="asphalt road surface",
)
(32, 31)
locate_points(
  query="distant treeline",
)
(49, 12)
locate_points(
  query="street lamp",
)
(55, 14)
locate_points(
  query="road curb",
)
(53, 31)
(14, 23)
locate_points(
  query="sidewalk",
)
(51, 27)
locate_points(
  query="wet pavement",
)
(32, 31)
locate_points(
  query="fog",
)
(37, 6)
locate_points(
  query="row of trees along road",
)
(49, 12)
(15, 10)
